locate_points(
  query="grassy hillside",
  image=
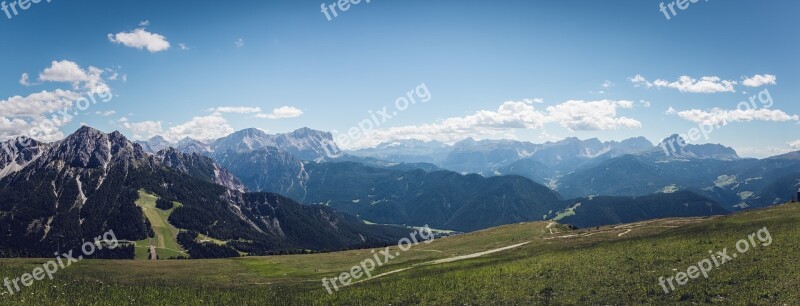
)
(611, 265)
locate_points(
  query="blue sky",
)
(529, 70)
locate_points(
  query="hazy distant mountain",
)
(670, 148)
(712, 170)
(501, 157)
(572, 153)
(407, 151)
(308, 144)
(484, 156)
(189, 145)
(304, 143)
(155, 144)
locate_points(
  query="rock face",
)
(16, 153)
(670, 148)
(269, 170)
(263, 162)
(304, 143)
(199, 166)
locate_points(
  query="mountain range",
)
(272, 193)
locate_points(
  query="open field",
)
(542, 263)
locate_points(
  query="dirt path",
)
(153, 254)
(550, 226)
(474, 255)
(445, 260)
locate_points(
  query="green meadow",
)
(617, 264)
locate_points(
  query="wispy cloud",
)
(235, 109)
(282, 113)
(706, 84)
(719, 117)
(105, 113)
(24, 80)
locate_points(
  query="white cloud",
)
(239, 43)
(722, 117)
(235, 109)
(37, 104)
(707, 84)
(795, 145)
(595, 115)
(106, 113)
(607, 84)
(144, 23)
(41, 115)
(41, 129)
(64, 71)
(282, 113)
(183, 46)
(760, 80)
(28, 116)
(510, 116)
(140, 39)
